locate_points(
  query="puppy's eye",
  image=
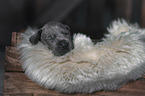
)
(51, 37)
(65, 33)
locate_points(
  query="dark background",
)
(90, 17)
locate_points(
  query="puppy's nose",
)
(63, 43)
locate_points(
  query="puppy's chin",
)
(60, 51)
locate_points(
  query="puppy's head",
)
(55, 36)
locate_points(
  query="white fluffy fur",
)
(107, 65)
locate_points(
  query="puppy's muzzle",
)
(63, 44)
(62, 47)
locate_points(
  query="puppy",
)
(56, 36)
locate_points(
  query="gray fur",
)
(55, 36)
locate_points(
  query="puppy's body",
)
(55, 36)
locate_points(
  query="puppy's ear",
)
(36, 37)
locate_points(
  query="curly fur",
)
(89, 67)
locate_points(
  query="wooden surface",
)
(15, 38)
(11, 54)
(143, 14)
(17, 84)
(12, 63)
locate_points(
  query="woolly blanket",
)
(89, 67)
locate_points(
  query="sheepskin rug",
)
(89, 67)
